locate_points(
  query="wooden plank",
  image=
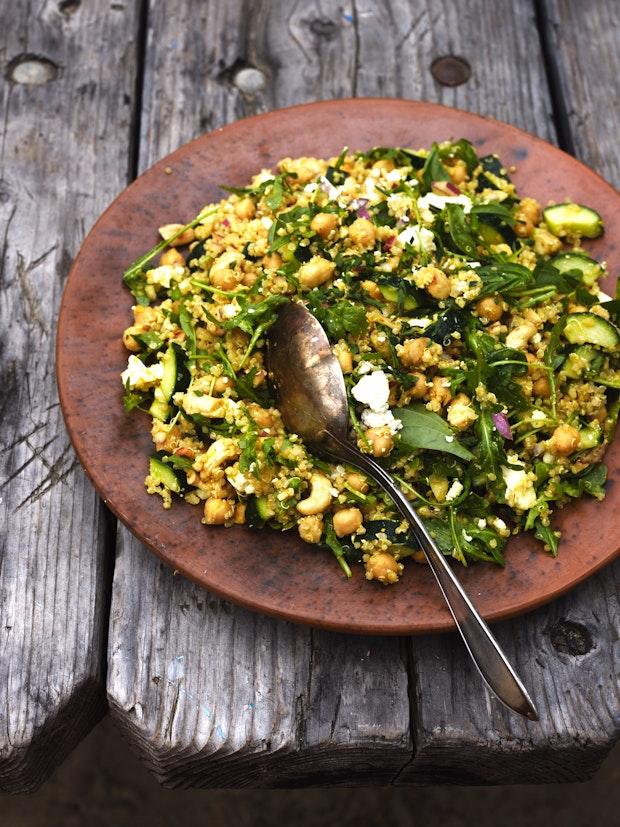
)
(66, 116)
(210, 694)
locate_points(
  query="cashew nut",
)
(218, 453)
(320, 496)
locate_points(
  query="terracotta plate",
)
(264, 570)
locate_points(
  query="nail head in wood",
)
(31, 70)
(249, 80)
(450, 70)
(571, 638)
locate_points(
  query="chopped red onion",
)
(445, 188)
(225, 223)
(500, 420)
(387, 244)
(363, 213)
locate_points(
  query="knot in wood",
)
(249, 80)
(450, 70)
(323, 27)
(31, 70)
(571, 638)
(69, 7)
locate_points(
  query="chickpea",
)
(310, 528)
(412, 350)
(172, 256)
(383, 567)
(440, 286)
(440, 390)
(460, 413)
(380, 342)
(144, 315)
(358, 482)
(249, 278)
(224, 279)
(564, 440)
(372, 289)
(245, 209)
(239, 514)
(217, 511)
(168, 230)
(347, 521)
(381, 440)
(324, 223)
(129, 341)
(458, 171)
(185, 451)
(386, 164)
(418, 391)
(261, 416)
(315, 272)
(520, 336)
(541, 387)
(272, 261)
(221, 384)
(545, 243)
(362, 232)
(490, 308)
(530, 209)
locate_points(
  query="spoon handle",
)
(485, 651)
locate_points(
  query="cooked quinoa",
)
(479, 354)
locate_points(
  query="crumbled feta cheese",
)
(139, 376)
(370, 191)
(240, 482)
(603, 297)
(373, 390)
(420, 238)
(162, 275)
(365, 367)
(482, 523)
(393, 175)
(332, 192)
(467, 537)
(538, 416)
(229, 311)
(311, 187)
(455, 490)
(217, 407)
(520, 491)
(449, 439)
(266, 221)
(431, 199)
(473, 264)
(419, 323)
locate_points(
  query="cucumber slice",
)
(391, 294)
(258, 511)
(584, 360)
(394, 289)
(590, 437)
(176, 376)
(160, 410)
(166, 475)
(589, 269)
(611, 379)
(590, 329)
(573, 219)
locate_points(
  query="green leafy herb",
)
(332, 542)
(339, 319)
(459, 229)
(433, 169)
(423, 429)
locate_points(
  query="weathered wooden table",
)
(208, 694)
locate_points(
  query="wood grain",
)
(63, 156)
(295, 706)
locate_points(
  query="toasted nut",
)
(320, 496)
(460, 413)
(520, 336)
(343, 354)
(440, 390)
(372, 289)
(168, 230)
(419, 389)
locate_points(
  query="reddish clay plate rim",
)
(365, 610)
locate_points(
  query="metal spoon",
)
(313, 401)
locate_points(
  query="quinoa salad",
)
(480, 357)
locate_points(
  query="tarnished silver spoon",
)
(313, 401)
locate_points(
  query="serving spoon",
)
(312, 399)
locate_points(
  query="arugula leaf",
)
(506, 278)
(151, 341)
(495, 210)
(187, 326)
(247, 443)
(591, 481)
(276, 194)
(132, 399)
(459, 229)
(433, 169)
(490, 454)
(546, 535)
(332, 542)
(464, 150)
(426, 430)
(549, 358)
